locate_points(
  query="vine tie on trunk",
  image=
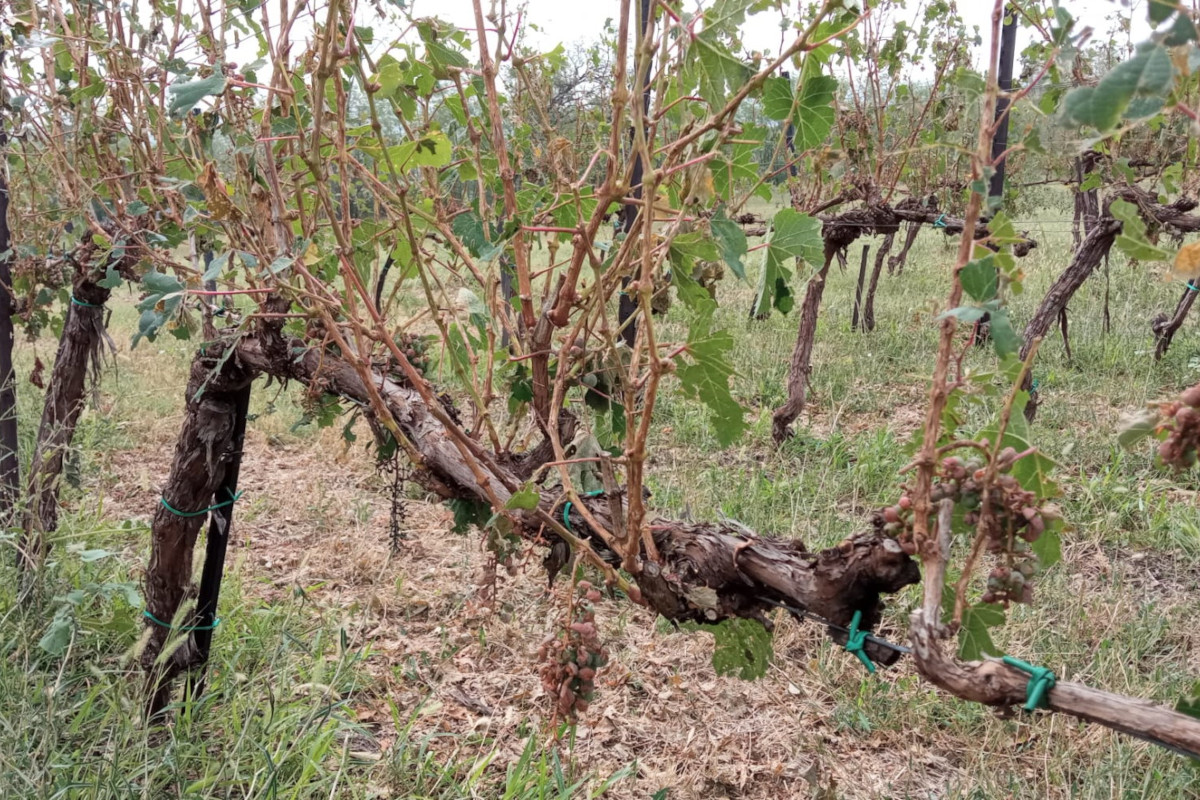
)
(202, 511)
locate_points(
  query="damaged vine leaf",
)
(793, 236)
(731, 240)
(974, 637)
(185, 96)
(741, 647)
(710, 63)
(1133, 240)
(1135, 89)
(1190, 705)
(161, 307)
(468, 513)
(708, 374)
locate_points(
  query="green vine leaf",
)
(1190, 705)
(980, 280)
(814, 112)
(58, 635)
(793, 235)
(731, 241)
(974, 638)
(1132, 240)
(1148, 75)
(710, 63)
(526, 499)
(777, 98)
(708, 375)
(468, 513)
(1137, 425)
(468, 227)
(1004, 337)
(185, 96)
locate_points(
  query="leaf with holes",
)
(742, 647)
(704, 370)
(710, 63)
(432, 150)
(793, 235)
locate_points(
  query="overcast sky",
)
(572, 21)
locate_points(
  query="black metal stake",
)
(862, 276)
(216, 545)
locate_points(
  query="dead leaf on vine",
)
(216, 194)
(35, 376)
(1187, 261)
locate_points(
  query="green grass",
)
(280, 718)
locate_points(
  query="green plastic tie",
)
(1033, 385)
(76, 301)
(202, 511)
(1041, 681)
(940, 222)
(1193, 287)
(856, 639)
(567, 508)
(216, 621)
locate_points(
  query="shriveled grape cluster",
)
(1017, 519)
(571, 658)
(415, 348)
(1181, 424)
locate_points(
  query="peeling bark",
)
(79, 353)
(869, 307)
(1087, 257)
(202, 451)
(801, 363)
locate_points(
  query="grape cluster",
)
(1016, 519)
(415, 348)
(1181, 424)
(572, 657)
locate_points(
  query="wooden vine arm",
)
(709, 572)
(994, 683)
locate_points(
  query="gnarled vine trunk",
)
(202, 452)
(78, 356)
(1165, 327)
(1088, 255)
(801, 364)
